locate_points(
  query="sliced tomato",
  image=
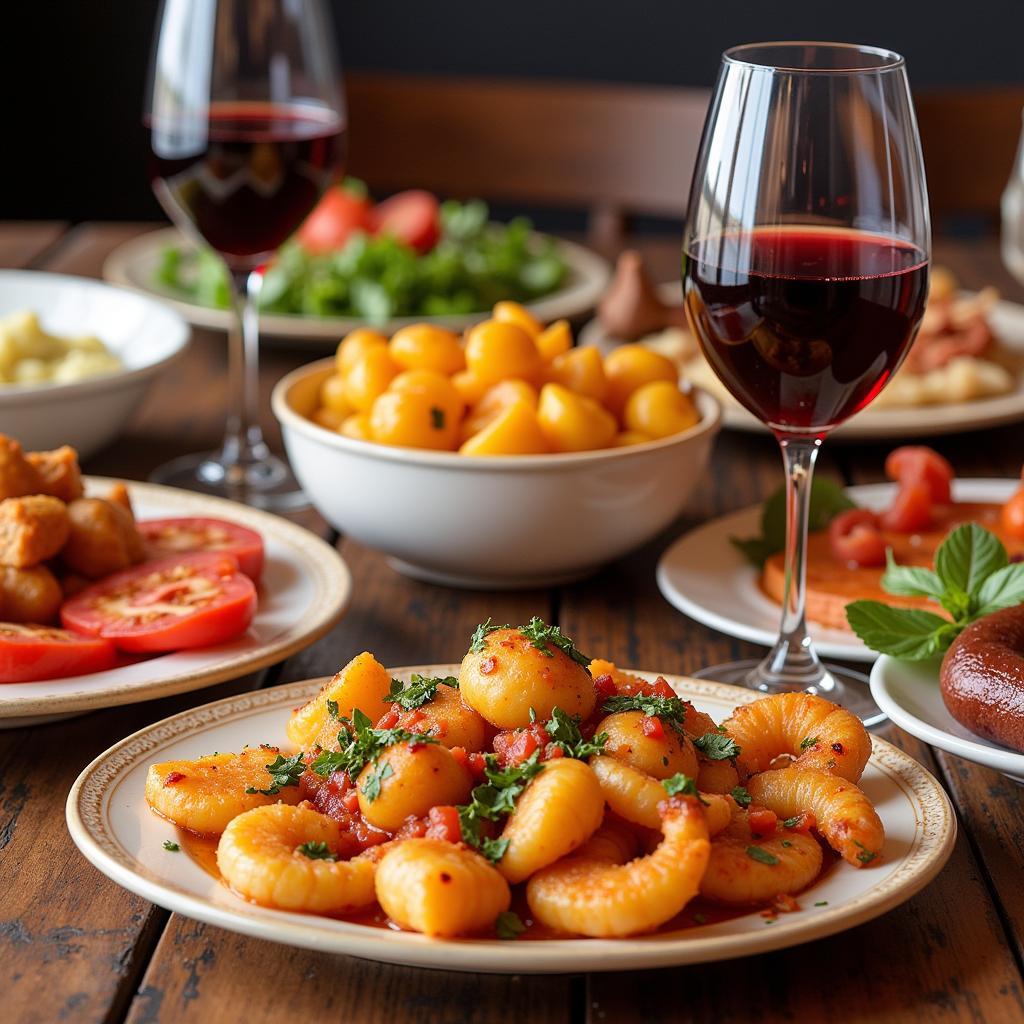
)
(172, 604)
(911, 509)
(29, 653)
(413, 217)
(1011, 518)
(166, 537)
(339, 214)
(855, 538)
(918, 464)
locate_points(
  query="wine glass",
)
(247, 129)
(805, 273)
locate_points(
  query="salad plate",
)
(304, 590)
(135, 263)
(704, 575)
(112, 825)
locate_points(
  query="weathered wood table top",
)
(76, 947)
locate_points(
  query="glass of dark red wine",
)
(247, 129)
(805, 272)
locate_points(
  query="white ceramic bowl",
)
(145, 335)
(511, 521)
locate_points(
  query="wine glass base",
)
(266, 484)
(842, 686)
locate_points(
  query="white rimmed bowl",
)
(144, 334)
(509, 521)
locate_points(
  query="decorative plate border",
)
(324, 566)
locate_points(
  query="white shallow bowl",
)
(145, 335)
(110, 823)
(508, 521)
(908, 692)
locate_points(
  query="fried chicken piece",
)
(103, 538)
(32, 529)
(59, 472)
(18, 476)
(29, 595)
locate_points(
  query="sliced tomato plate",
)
(179, 536)
(30, 652)
(171, 604)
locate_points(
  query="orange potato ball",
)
(574, 423)
(630, 367)
(426, 347)
(327, 418)
(369, 377)
(495, 401)
(660, 409)
(580, 370)
(514, 432)
(514, 313)
(332, 395)
(357, 426)
(411, 419)
(469, 386)
(437, 387)
(554, 340)
(497, 351)
(355, 345)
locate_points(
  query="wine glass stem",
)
(244, 446)
(792, 663)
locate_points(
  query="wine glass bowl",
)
(805, 271)
(247, 130)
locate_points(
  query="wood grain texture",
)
(23, 242)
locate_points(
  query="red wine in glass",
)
(249, 176)
(805, 325)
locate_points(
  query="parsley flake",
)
(478, 641)
(565, 734)
(284, 771)
(540, 634)
(682, 784)
(332, 709)
(509, 925)
(866, 856)
(317, 850)
(360, 744)
(761, 855)
(787, 843)
(671, 710)
(437, 417)
(717, 747)
(741, 796)
(821, 903)
(170, 846)
(418, 691)
(808, 741)
(792, 822)
(371, 787)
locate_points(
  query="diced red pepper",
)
(390, 718)
(605, 686)
(552, 752)
(652, 727)
(350, 801)
(659, 688)
(443, 823)
(762, 821)
(488, 665)
(172, 777)
(785, 904)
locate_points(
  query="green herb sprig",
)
(509, 925)
(316, 850)
(671, 710)
(284, 771)
(716, 746)
(418, 691)
(564, 731)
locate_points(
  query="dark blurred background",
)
(74, 70)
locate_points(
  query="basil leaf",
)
(902, 632)
(909, 580)
(967, 556)
(1004, 588)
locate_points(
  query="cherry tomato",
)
(29, 653)
(855, 538)
(1011, 518)
(412, 217)
(916, 463)
(172, 604)
(165, 537)
(911, 508)
(340, 213)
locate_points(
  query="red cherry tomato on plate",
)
(172, 604)
(334, 219)
(921, 464)
(854, 538)
(165, 537)
(1011, 518)
(29, 653)
(413, 217)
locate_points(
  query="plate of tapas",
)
(113, 591)
(529, 810)
(729, 573)
(966, 366)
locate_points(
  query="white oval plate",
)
(133, 265)
(305, 589)
(908, 692)
(883, 424)
(110, 822)
(705, 577)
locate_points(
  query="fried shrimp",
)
(744, 869)
(813, 731)
(635, 797)
(203, 795)
(591, 896)
(280, 856)
(845, 817)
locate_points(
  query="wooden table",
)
(76, 947)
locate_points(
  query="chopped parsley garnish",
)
(478, 641)
(865, 857)
(332, 709)
(494, 798)
(821, 903)
(509, 925)
(540, 634)
(437, 417)
(371, 787)
(682, 784)
(418, 691)
(170, 846)
(284, 771)
(808, 741)
(761, 855)
(741, 796)
(565, 734)
(792, 822)
(317, 850)
(717, 747)
(670, 709)
(360, 744)
(786, 843)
